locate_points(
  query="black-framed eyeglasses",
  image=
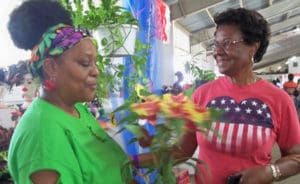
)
(226, 45)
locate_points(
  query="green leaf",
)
(104, 41)
(135, 129)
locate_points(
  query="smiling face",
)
(235, 58)
(76, 73)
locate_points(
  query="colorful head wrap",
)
(55, 41)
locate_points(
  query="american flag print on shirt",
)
(244, 126)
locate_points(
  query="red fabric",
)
(256, 116)
(160, 20)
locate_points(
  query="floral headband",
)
(55, 41)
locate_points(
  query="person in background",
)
(177, 86)
(257, 114)
(276, 82)
(290, 86)
(297, 102)
(57, 139)
(3, 86)
(19, 74)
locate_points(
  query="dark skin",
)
(236, 63)
(77, 68)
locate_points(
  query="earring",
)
(252, 58)
(49, 85)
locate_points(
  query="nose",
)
(94, 70)
(218, 50)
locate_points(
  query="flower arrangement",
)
(169, 115)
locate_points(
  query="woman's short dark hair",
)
(29, 21)
(252, 25)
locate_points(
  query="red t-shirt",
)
(290, 84)
(256, 116)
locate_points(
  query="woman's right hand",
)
(146, 140)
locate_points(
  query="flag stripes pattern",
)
(244, 126)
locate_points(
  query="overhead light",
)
(297, 29)
(293, 58)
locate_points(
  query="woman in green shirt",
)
(57, 139)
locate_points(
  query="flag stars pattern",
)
(249, 111)
(244, 126)
(237, 109)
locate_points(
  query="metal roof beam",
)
(208, 34)
(293, 48)
(185, 7)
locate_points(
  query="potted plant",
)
(114, 26)
(199, 75)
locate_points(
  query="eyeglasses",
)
(226, 45)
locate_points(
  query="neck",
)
(60, 103)
(243, 80)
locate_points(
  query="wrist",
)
(135, 159)
(276, 173)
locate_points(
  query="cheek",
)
(72, 79)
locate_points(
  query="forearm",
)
(288, 165)
(143, 160)
(180, 153)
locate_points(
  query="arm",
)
(187, 148)
(288, 164)
(44, 177)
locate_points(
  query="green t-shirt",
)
(77, 148)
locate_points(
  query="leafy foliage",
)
(109, 14)
(198, 73)
(4, 174)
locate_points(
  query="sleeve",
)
(288, 125)
(49, 148)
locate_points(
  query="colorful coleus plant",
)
(168, 114)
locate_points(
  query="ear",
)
(254, 49)
(49, 68)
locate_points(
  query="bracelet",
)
(275, 172)
(135, 161)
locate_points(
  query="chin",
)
(88, 98)
(222, 70)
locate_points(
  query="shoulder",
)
(290, 84)
(215, 84)
(207, 90)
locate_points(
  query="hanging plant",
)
(108, 13)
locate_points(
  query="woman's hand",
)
(256, 175)
(146, 140)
